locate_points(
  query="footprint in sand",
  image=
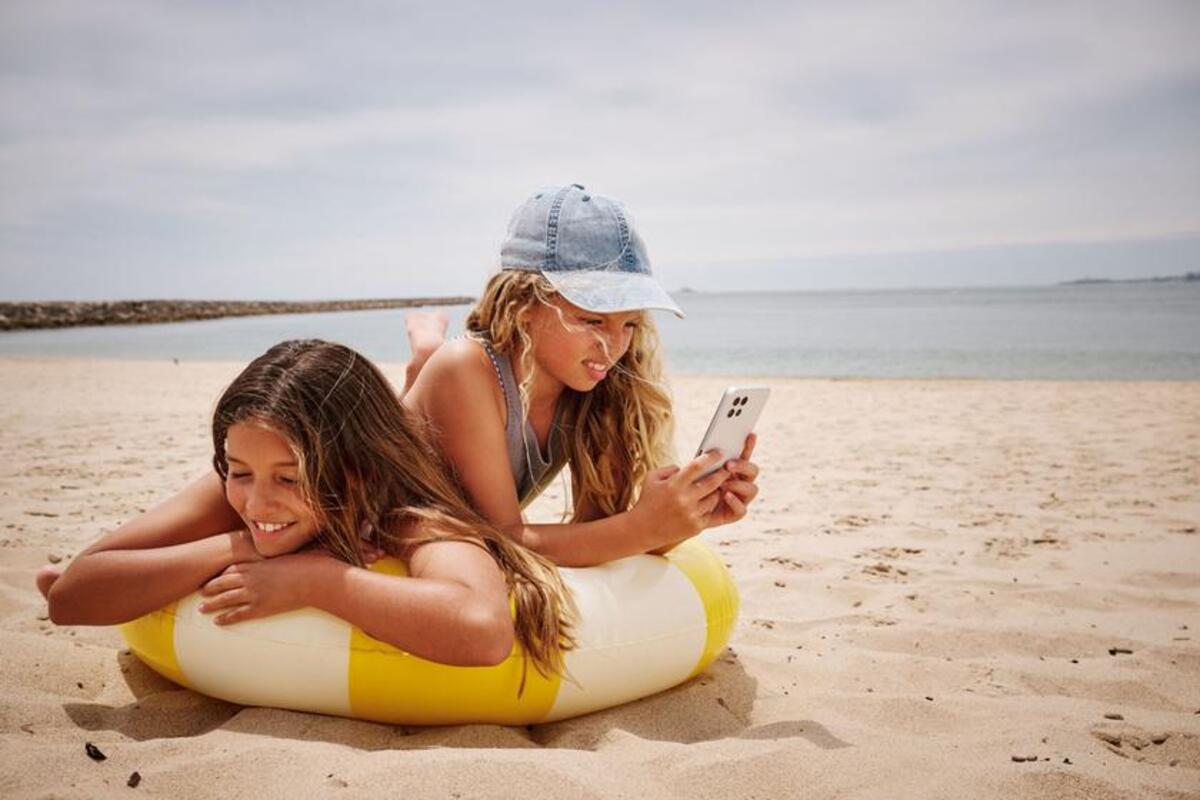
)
(1007, 547)
(885, 571)
(789, 563)
(890, 552)
(1161, 748)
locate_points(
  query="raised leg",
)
(426, 332)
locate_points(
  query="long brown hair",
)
(367, 466)
(617, 432)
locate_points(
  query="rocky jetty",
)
(1187, 277)
(23, 316)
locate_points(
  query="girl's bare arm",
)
(159, 556)
(452, 607)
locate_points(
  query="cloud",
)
(225, 142)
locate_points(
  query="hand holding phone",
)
(732, 422)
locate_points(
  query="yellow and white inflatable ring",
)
(646, 623)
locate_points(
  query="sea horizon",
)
(1107, 330)
(1185, 278)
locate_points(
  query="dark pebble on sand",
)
(1162, 737)
(54, 558)
(1112, 651)
(93, 752)
(134, 779)
(930, 699)
(1019, 759)
(1113, 716)
(1066, 761)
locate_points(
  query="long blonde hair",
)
(617, 432)
(367, 466)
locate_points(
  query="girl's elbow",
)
(67, 604)
(62, 611)
(491, 636)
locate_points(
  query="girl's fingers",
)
(736, 506)
(232, 597)
(745, 490)
(710, 483)
(709, 504)
(748, 447)
(747, 469)
(694, 468)
(222, 583)
(662, 473)
(237, 615)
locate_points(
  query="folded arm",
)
(452, 608)
(159, 556)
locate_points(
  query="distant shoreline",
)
(58, 314)
(1186, 277)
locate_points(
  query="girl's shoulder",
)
(459, 371)
(462, 355)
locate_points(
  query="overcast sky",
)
(364, 149)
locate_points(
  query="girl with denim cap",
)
(560, 367)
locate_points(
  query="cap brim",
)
(607, 292)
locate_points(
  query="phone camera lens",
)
(739, 413)
(730, 414)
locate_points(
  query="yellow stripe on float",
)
(390, 685)
(152, 638)
(717, 592)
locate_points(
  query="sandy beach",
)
(949, 589)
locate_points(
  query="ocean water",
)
(1131, 331)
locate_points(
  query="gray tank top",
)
(531, 469)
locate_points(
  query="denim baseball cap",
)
(586, 246)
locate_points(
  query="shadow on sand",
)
(717, 705)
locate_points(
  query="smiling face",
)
(263, 486)
(576, 347)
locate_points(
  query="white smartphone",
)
(732, 422)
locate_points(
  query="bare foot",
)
(46, 576)
(426, 332)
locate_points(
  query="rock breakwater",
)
(54, 314)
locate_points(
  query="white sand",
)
(931, 583)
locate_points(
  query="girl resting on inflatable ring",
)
(323, 470)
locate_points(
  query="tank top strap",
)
(508, 384)
(530, 470)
